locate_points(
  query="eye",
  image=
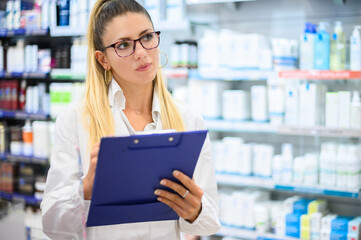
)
(123, 45)
(148, 37)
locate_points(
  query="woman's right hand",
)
(88, 180)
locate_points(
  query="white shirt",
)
(63, 208)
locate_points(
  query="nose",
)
(139, 50)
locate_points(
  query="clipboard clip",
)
(154, 140)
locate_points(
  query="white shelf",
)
(268, 183)
(171, 25)
(247, 234)
(320, 74)
(192, 2)
(238, 126)
(176, 73)
(235, 75)
(66, 31)
(247, 181)
(248, 126)
(319, 131)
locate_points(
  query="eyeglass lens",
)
(126, 47)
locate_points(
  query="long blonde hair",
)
(97, 115)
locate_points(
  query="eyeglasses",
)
(125, 48)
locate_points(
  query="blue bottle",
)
(322, 48)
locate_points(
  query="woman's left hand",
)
(187, 203)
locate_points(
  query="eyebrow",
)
(140, 34)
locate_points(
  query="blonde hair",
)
(97, 115)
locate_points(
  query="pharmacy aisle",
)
(279, 85)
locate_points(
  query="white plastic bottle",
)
(338, 48)
(355, 111)
(307, 47)
(342, 154)
(287, 157)
(355, 49)
(353, 167)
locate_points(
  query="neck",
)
(139, 98)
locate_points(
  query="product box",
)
(354, 226)
(315, 223)
(293, 219)
(326, 222)
(318, 205)
(301, 206)
(305, 233)
(334, 235)
(340, 224)
(293, 231)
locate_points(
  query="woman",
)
(124, 94)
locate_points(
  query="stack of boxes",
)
(340, 228)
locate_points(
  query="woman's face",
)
(141, 66)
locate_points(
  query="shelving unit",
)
(234, 75)
(30, 200)
(23, 32)
(20, 115)
(247, 234)
(320, 75)
(237, 180)
(237, 126)
(249, 126)
(26, 159)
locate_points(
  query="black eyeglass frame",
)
(134, 43)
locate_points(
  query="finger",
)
(173, 206)
(171, 197)
(175, 186)
(186, 181)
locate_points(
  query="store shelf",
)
(66, 31)
(238, 126)
(320, 75)
(234, 75)
(22, 115)
(319, 190)
(319, 131)
(26, 159)
(176, 73)
(66, 74)
(192, 2)
(246, 181)
(248, 126)
(247, 234)
(22, 75)
(23, 32)
(268, 183)
(172, 25)
(31, 200)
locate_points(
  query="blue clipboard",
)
(129, 169)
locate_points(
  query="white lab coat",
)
(63, 207)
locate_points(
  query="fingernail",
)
(176, 173)
(163, 182)
(156, 192)
(159, 199)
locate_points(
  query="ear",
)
(102, 59)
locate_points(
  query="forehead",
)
(128, 25)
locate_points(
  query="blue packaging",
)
(293, 231)
(301, 206)
(322, 48)
(293, 219)
(340, 224)
(336, 235)
(63, 12)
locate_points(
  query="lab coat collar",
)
(117, 99)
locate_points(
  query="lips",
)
(144, 67)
